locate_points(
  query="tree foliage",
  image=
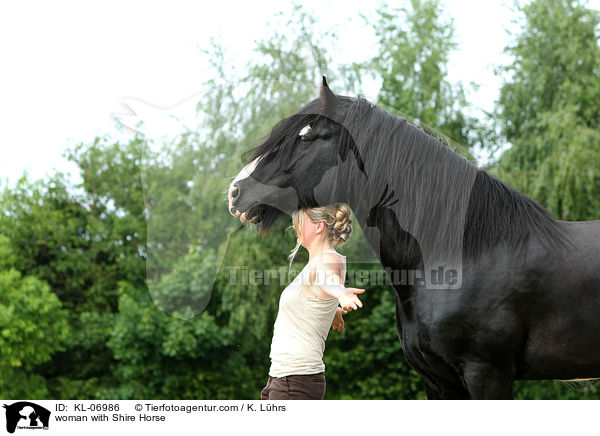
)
(33, 326)
(548, 109)
(414, 45)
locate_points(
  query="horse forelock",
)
(282, 137)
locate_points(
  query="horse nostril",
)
(234, 192)
(232, 210)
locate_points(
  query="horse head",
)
(297, 166)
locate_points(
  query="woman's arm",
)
(331, 283)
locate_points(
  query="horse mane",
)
(457, 208)
(499, 213)
(450, 187)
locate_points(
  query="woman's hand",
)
(349, 301)
(338, 321)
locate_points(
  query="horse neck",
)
(430, 182)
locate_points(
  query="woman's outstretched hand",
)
(349, 300)
(338, 321)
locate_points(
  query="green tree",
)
(81, 245)
(414, 45)
(548, 109)
(113, 201)
(160, 356)
(33, 326)
(81, 248)
(7, 257)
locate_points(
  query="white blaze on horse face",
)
(245, 172)
(304, 130)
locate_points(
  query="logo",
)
(26, 415)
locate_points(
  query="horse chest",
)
(423, 355)
(434, 333)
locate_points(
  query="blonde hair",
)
(337, 221)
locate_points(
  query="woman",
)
(308, 306)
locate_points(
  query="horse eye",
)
(303, 135)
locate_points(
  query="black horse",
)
(501, 290)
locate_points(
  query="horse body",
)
(527, 304)
(515, 317)
(564, 322)
(446, 335)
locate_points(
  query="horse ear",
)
(328, 98)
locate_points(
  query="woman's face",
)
(310, 232)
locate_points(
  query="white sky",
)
(66, 65)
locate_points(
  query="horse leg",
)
(485, 382)
(444, 391)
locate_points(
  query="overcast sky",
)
(67, 65)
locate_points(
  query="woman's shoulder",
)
(329, 260)
(330, 256)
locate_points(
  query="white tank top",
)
(301, 327)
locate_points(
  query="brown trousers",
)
(295, 387)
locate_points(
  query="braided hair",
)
(337, 221)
